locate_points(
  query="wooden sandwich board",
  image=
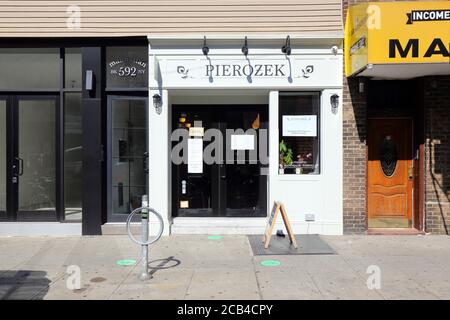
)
(278, 207)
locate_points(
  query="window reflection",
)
(29, 68)
(72, 68)
(73, 156)
(2, 159)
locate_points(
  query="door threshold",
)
(40, 229)
(394, 231)
(218, 225)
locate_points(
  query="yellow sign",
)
(396, 33)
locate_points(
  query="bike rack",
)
(144, 243)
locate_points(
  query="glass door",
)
(3, 156)
(127, 155)
(194, 187)
(245, 183)
(232, 185)
(28, 161)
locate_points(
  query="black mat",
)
(307, 244)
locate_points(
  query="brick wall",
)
(354, 135)
(437, 154)
(354, 144)
(436, 93)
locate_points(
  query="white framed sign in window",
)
(299, 126)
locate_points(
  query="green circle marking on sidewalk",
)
(270, 263)
(215, 237)
(126, 262)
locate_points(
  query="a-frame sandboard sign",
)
(278, 207)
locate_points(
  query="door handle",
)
(411, 173)
(20, 160)
(222, 171)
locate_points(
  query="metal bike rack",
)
(144, 243)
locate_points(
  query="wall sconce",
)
(245, 48)
(157, 103)
(205, 48)
(286, 49)
(334, 101)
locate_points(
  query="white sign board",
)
(242, 142)
(300, 126)
(305, 71)
(195, 155)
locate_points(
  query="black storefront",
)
(73, 119)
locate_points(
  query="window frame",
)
(301, 176)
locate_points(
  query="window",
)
(3, 142)
(72, 68)
(126, 67)
(29, 68)
(299, 135)
(73, 156)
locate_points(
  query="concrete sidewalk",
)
(194, 267)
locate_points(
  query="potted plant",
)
(286, 156)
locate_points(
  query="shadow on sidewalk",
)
(162, 264)
(23, 285)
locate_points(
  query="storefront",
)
(223, 121)
(87, 136)
(68, 108)
(214, 119)
(397, 60)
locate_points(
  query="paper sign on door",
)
(242, 142)
(195, 155)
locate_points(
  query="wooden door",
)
(390, 173)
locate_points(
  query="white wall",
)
(159, 160)
(320, 195)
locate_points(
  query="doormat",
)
(307, 244)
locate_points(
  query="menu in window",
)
(300, 126)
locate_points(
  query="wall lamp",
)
(286, 49)
(245, 48)
(157, 103)
(205, 48)
(334, 101)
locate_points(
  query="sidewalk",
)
(195, 267)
